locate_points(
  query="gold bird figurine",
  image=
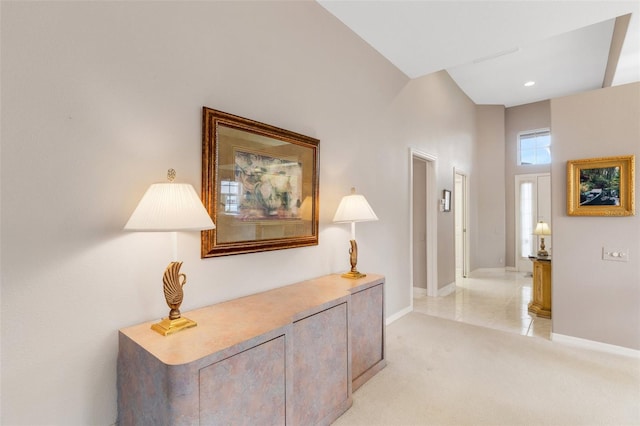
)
(173, 282)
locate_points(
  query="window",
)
(534, 147)
(230, 192)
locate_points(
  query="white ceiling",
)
(491, 48)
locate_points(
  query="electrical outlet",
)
(617, 255)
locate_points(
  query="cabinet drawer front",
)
(247, 388)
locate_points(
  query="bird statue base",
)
(169, 326)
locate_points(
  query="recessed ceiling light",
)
(529, 83)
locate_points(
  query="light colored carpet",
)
(442, 372)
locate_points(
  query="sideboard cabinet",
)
(292, 355)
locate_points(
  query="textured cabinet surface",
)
(367, 334)
(541, 303)
(254, 387)
(280, 357)
(321, 383)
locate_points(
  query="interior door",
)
(461, 235)
(533, 203)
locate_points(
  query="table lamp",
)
(171, 207)
(354, 208)
(542, 229)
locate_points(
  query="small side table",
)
(541, 303)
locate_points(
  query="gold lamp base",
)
(173, 282)
(169, 326)
(353, 275)
(542, 252)
(353, 258)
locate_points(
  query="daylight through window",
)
(534, 147)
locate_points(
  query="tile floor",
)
(492, 298)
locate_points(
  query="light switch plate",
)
(618, 255)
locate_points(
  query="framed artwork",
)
(259, 184)
(446, 200)
(601, 186)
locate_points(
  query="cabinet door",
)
(546, 287)
(321, 378)
(247, 388)
(538, 283)
(367, 331)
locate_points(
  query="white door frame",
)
(432, 222)
(465, 219)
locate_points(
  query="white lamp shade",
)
(542, 228)
(354, 208)
(170, 207)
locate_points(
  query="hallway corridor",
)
(492, 298)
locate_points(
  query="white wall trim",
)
(593, 345)
(398, 315)
(447, 289)
(419, 292)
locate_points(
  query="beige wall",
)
(519, 119)
(433, 116)
(100, 98)
(595, 299)
(488, 187)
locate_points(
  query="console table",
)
(541, 303)
(292, 355)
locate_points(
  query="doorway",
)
(419, 227)
(423, 268)
(461, 225)
(533, 203)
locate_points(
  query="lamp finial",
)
(171, 175)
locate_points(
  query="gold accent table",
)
(541, 303)
(292, 355)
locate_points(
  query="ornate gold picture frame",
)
(601, 186)
(259, 184)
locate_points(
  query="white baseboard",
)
(593, 345)
(398, 315)
(447, 289)
(511, 268)
(419, 292)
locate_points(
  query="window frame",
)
(533, 132)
